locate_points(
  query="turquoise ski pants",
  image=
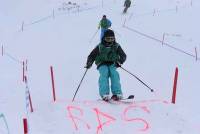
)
(106, 72)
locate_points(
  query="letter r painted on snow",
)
(73, 118)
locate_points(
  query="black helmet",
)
(109, 37)
(109, 33)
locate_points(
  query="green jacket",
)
(107, 54)
(104, 55)
(105, 23)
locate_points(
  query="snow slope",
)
(157, 36)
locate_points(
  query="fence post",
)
(53, 14)
(30, 102)
(26, 65)
(23, 71)
(28, 95)
(154, 12)
(124, 23)
(196, 53)
(2, 50)
(78, 8)
(22, 26)
(163, 38)
(53, 84)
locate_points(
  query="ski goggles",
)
(109, 39)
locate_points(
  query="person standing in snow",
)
(108, 55)
(127, 4)
(104, 24)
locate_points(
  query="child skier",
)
(104, 24)
(127, 4)
(108, 55)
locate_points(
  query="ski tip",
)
(131, 97)
(152, 90)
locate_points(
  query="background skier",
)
(108, 55)
(104, 24)
(127, 4)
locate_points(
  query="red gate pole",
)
(25, 126)
(175, 86)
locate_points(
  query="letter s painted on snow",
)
(144, 108)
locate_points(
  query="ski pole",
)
(138, 79)
(94, 35)
(79, 84)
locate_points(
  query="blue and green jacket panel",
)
(106, 55)
(105, 23)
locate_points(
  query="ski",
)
(129, 97)
(114, 98)
(127, 100)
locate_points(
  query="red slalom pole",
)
(175, 85)
(53, 84)
(25, 123)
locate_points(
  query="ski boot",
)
(117, 97)
(106, 98)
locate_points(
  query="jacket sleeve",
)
(109, 23)
(122, 55)
(92, 56)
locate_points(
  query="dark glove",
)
(117, 64)
(88, 66)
